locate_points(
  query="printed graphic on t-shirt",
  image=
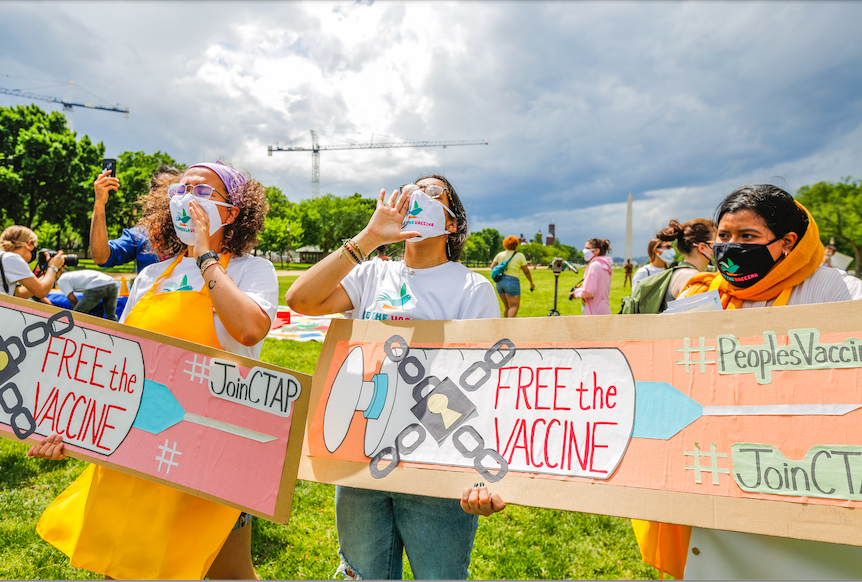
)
(389, 302)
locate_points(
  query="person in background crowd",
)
(509, 287)
(769, 254)
(596, 288)
(380, 253)
(627, 268)
(212, 293)
(827, 255)
(18, 248)
(97, 287)
(133, 244)
(693, 239)
(661, 254)
(376, 527)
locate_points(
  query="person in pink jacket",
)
(595, 290)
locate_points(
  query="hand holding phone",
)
(106, 183)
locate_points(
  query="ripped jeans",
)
(376, 527)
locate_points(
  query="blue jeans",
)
(375, 527)
(509, 285)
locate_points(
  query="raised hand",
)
(103, 185)
(385, 224)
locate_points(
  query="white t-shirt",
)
(255, 276)
(15, 268)
(390, 290)
(80, 281)
(646, 271)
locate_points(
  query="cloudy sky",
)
(581, 103)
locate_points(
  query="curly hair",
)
(239, 237)
(688, 235)
(456, 240)
(510, 243)
(16, 237)
(602, 245)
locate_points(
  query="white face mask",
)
(667, 255)
(589, 254)
(182, 218)
(426, 216)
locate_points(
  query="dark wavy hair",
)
(688, 235)
(775, 206)
(602, 245)
(239, 237)
(456, 240)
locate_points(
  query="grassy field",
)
(519, 543)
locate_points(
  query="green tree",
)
(493, 241)
(327, 220)
(537, 238)
(279, 205)
(837, 208)
(45, 173)
(475, 249)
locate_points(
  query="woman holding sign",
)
(376, 527)
(769, 254)
(212, 293)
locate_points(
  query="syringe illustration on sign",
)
(537, 410)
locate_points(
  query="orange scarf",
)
(798, 265)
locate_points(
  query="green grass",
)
(519, 543)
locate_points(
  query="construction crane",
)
(66, 102)
(317, 148)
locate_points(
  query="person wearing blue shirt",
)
(133, 245)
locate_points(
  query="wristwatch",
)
(205, 256)
(56, 268)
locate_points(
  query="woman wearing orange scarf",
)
(769, 254)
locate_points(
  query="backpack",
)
(498, 271)
(649, 294)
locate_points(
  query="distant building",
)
(522, 240)
(549, 240)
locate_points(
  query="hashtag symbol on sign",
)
(713, 463)
(199, 370)
(166, 450)
(701, 350)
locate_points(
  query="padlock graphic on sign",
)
(550, 410)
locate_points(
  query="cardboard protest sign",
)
(201, 420)
(742, 420)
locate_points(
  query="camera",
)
(557, 265)
(46, 255)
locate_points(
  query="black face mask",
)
(33, 255)
(743, 265)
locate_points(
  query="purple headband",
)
(231, 178)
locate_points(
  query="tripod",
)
(553, 310)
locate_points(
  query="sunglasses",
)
(431, 190)
(199, 191)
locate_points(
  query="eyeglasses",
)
(199, 190)
(431, 190)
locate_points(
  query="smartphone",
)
(110, 164)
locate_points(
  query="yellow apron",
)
(126, 527)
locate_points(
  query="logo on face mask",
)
(729, 267)
(182, 217)
(414, 212)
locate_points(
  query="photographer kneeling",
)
(97, 287)
(18, 246)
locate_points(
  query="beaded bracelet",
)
(357, 251)
(351, 256)
(207, 264)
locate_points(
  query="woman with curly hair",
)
(212, 293)
(509, 287)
